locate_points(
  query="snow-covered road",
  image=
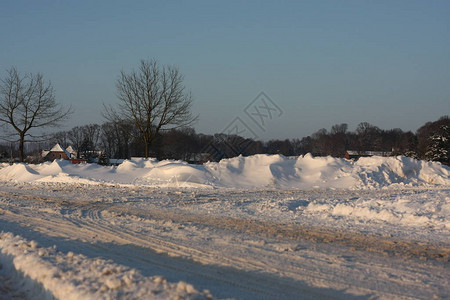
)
(260, 244)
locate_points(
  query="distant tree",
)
(392, 140)
(339, 128)
(231, 145)
(179, 143)
(103, 159)
(439, 145)
(256, 147)
(369, 137)
(306, 145)
(59, 137)
(76, 138)
(407, 145)
(109, 139)
(320, 145)
(425, 133)
(91, 134)
(28, 102)
(352, 141)
(153, 98)
(283, 147)
(85, 149)
(115, 138)
(296, 146)
(338, 140)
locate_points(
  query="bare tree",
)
(109, 139)
(27, 102)
(153, 98)
(91, 135)
(339, 128)
(60, 137)
(75, 137)
(369, 137)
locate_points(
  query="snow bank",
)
(45, 273)
(418, 211)
(256, 172)
(383, 171)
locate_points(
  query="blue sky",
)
(321, 62)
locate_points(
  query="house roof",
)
(71, 150)
(45, 152)
(352, 152)
(59, 148)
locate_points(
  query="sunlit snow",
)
(311, 227)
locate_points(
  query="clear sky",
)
(321, 62)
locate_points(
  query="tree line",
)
(121, 140)
(151, 98)
(153, 118)
(430, 142)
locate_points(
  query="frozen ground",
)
(378, 228)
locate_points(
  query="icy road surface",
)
(266, 244)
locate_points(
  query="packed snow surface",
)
(253, 172)
(259, 227)
(48, 274)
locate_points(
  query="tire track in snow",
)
(90, 226)
(97, 225)
(267, 228)
(87, 216)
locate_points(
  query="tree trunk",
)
(21, 147)
(147, 149)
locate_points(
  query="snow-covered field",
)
(259, 227)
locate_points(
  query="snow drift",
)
(255, 172)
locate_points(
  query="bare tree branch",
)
(153, 98)
(28, 102)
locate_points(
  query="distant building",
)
(57, 152)
(73, 152)
(351, 154)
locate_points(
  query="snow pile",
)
(30, 271)
(428, 210)
(383, 171)
(257, 171)
(3, 165)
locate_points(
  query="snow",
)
(47, 274)
(258, 227)
(409, 210)
(57, 148)
(254, 172)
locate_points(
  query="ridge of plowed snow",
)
(256, 172)
(46, 273)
